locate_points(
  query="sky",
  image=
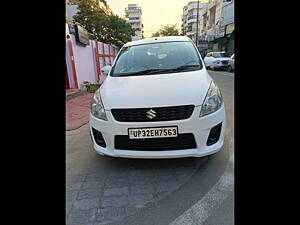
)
(155, 13)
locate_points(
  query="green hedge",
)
(91, 88)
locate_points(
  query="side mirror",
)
(105, 70)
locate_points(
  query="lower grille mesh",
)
(182, 141)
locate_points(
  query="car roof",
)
(157, 40)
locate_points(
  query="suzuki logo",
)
(151, 114)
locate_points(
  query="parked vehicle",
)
(216, 60)
(158, 101)
(231, 64)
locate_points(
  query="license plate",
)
(153, 132)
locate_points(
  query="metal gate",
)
(104, 56)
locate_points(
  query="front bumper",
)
(221, 66)
(199, 126)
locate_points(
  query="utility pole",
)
(197, 33)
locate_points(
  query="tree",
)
(101, 27)
(118, 31)
(156, 34)
(168, 30)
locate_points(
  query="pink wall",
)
(69, 67)
(85, 61)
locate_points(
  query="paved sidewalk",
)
(77, 111)
(71, 91)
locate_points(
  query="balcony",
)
(190, 32)
(192, 6)
(133, 20)
(192, 19)
(133, 10)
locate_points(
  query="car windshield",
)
(220, 54)
(157, 58)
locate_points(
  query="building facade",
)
(215, 26)
(133, 14)
(189, 19)
(226, 41)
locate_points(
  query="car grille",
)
(182, 141)
(161, 113)
(225, 62)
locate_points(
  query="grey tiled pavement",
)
(100, 190)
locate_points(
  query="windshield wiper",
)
(142, 72)
(186, 67)
(180, 68)
(156, 71)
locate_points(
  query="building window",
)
(134, 18)
(212, 16)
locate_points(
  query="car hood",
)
(155, 90)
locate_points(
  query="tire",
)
(229, 69)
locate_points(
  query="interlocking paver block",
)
(71, 186)
(116, 191)
(114, 201)
(116, 182)
(96, 177)
(141, 199)
(142, 189)
(85, 204)
(89, 193)
(140, 180)
(82, 217)
(111, 213)
(93, 184)
(141, 173)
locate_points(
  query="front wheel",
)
(229, 69)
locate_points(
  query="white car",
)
(157, 101)
(231, 64)
(216, 60)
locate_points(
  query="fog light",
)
(98, 138)
(214, 135)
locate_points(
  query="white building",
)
(134, 18)
(212, 20)
(189, 19)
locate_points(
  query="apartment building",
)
(225, 41)
(211, 18)
(189, 19)
(133, 13)
(215, 27)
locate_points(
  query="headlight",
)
(217, 62)
(97, 108)
(213, 100)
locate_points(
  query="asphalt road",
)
(103, 190)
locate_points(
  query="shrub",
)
(91, 88)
